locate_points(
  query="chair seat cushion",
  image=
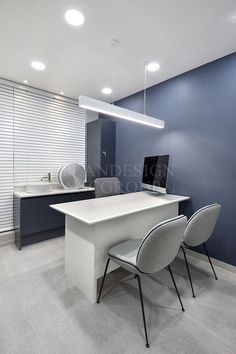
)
(126, 251)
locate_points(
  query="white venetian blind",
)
(48, 132)
(6, 157)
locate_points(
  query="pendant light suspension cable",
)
(145, 88)
(115, 44)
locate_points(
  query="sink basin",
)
(38, 187)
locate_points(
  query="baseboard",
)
(7, 238)
(216, 262)
(41, 236)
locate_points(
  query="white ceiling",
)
(179, 34)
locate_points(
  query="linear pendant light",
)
(115, 111)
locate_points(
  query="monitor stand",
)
(153, 192)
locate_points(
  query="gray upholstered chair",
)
(106, 186)
(149, 255)
(198, 230)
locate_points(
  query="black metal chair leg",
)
(142, 307)
(176, 289)
(189, 276)
(103, 280)
(205, 248)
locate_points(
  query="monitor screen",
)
(155, 172)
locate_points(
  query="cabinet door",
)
(93, 150)
(108, 148)
(36, 214)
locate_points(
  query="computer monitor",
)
(155, 173)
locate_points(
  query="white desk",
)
(95, 225)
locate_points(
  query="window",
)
(39, 132)
(6, 158)
(48, 133)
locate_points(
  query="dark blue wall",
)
(199, 108)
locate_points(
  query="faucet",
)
(48, 177)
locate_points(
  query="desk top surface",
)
(93, 211)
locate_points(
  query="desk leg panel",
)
(79, 258)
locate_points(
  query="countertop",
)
(97, 210)
(54, 191)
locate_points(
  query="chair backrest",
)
(106, 186)
(160, 246)
(201, 225)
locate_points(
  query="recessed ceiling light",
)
(62, 93)
(74, 17)
(25, 81)
(152, 66)
(38, 65)
(107, 90)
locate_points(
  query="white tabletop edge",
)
(63, 208)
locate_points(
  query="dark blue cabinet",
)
(101, 149)
(35, 221)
